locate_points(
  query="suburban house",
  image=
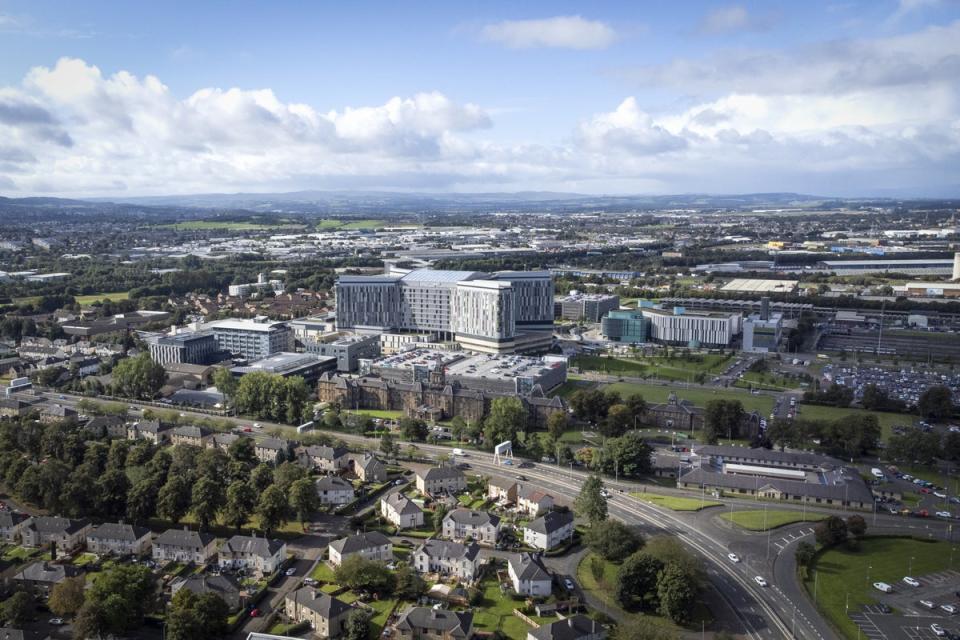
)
(261, 556)
(184, 545)
(118, 539)
(107, 427)
(425, 623)
(369, 469)
(371, 545)
(480, 526)
(502, 490)
(66, 534)
(401, 511)
(56, 413)
(224, 586)
(191, 435)
(151, 430)
(327, 615)
(222, 441)
(271, 450)
(576, 627)
(42, 576)
(533, 501)
(528, 575)
(448, 558)
(323, 458)
(334, 490)
(11, 522)
(439, 480)
(549, 531)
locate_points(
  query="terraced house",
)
(327, 615)
(441, 480)
(401, 511)
(261, 556)
(425, 623)
(334, 490)
(448, 559)
(119, 539)
(480, 526)
(190, 435)
(371, 545)
(549, 530)
(65, 533)
(184, 545)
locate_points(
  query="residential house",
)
(184, 545)
(261, 556)
(222, 441)
(441, 480)
(480, 526)
(426, 623)
(107, 427)
(528, 575)
(42, 576)
(271, 450)
(66, 534)
(11, 522)
(56, 412)
(401, 511)
(323, 458)
(15, 407)
(502, 490)
(448, 558)
(549, 531)
(119, 539)
(151, 430)
(533, 501)
(190, 435)
(223, 585)
(372, 545)
(334, 490)
(576, 627)
(369, 468)
(327, 615)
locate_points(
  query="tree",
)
(123, 594)
(439, 513)
(304, 499)
(286, 474)
(111, 490)
(212, 613)
(856, 526)
(90, 622)
(206, 501)
(138, 377)
(241, 500)
(225, 382)
(357, 626)
(388, 446)
(507, 417)
(173, 501)
(676, 592)
(142, 500)
(874, 398)
(619, 419)
(936, 403)
(242, 450)
(804, 554)
(721, 419)
(261, 477)
(614, 541)
(458, 427)
(17, 609)
(67, 596)
(410, 586)
(356, 572)
(636, 404)
(637, 581)
(590, 502)
(831, 531)
(557, 424)
(629, 456)
(413, 429)
(272, 509)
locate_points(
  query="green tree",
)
(241, 501)
(636, 404)
(804, 554)
(138, 377)
(614, 541)
(830, 531)
(173, 501)
(272, 509)
(212, 614)
(261, 477)
(936, 403)
(388, 446)
(286, 474)
(458, 427)
(721, 418)
(874, 398)
(122, 595)
(142, 500)
(303, 499)
(439, 513)
(677, 593)
(358, 573)
(619, 419)
(66, 598)
(637, 581)
(207, 498)
(590, 503)
(856, 526)
(17, 609)
(111, 490)
(410, 586)
(557, 424)
(357, 626)
(413, 429)
(629, 456)
(507, 417)
(242, 450)
(225, 382)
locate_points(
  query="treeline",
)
(851, 436)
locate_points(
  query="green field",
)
(97, 297)
(887, 420)
(655, 393)
(658, 367)
(675, 503)
(839, 573)
(495, 613)
(604, 588)
(353, 225)
(225, 225)
(377, 413)
(754, 520)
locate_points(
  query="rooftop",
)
(761, 286)
(283, 362)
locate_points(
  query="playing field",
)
(97, 297)
(887, 420)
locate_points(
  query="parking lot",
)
(910, 620)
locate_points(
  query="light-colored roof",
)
(433, 275)
(244, 325)
(760, 286)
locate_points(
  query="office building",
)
(261, 285)
(308, 366)
(348, 350)
(252, 339)
(586, 307)
(762, 331)
(626, 326)
(678, 326)
(501, 312)
(188, 347)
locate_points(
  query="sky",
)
(119, 99)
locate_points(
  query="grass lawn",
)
(887, 420)
(663, 368)
(605, 587)
(383, 609)
(97, 297)
(322, 572)
(496, 613)
(18, 554)
(329, 225)
(656, 393)
(224, 225)
(84, 558)
(839, 572)
(377, 413)
(754, 520)
(676, 503)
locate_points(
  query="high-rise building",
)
(587, 307)
(252, 339)
(678, 326)
(494, 313)
(188, 347)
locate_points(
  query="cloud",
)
(628, 128)
(562, 32)
(906, 7)
(732, 19)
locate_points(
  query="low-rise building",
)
(441, 480)
(320, 457)
(222, 441)
(368, 468)
(11, 522)
(576, 627)
(447, 558)
(334, 490)
(65, 533)
(41, 577)
(502, 490)
(184, 545)
(327, 615)
(528, 575)
(401, 511)
(549, 531)
(461, 524)
(533, 501)
(260, 556)
(190, 435)
(271, 450)
(119, 539)
(371, 545)
(107, 427)
(152, 431)
(425, 623)
(223, 585)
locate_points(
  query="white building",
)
(401, 511)
(261, 556)
(678, 326)
(480, 526)
(528, 575)
(334, 490)
(549, 531)
(262, 284)
(448, 559)
(184, 545)
(371, 545)
(252, 339)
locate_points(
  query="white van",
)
(883, 586)
(459, 452)
(877, 473)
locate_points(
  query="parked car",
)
(950, 609)
(883, 586)
(568, 584)
(927, 604)
(913, 582)
(937, 630)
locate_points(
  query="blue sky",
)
(844, 98)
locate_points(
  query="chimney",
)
(765, 306)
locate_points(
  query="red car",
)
(255, 613)
(924, 490)
(247, 430)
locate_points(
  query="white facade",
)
(682, 327)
